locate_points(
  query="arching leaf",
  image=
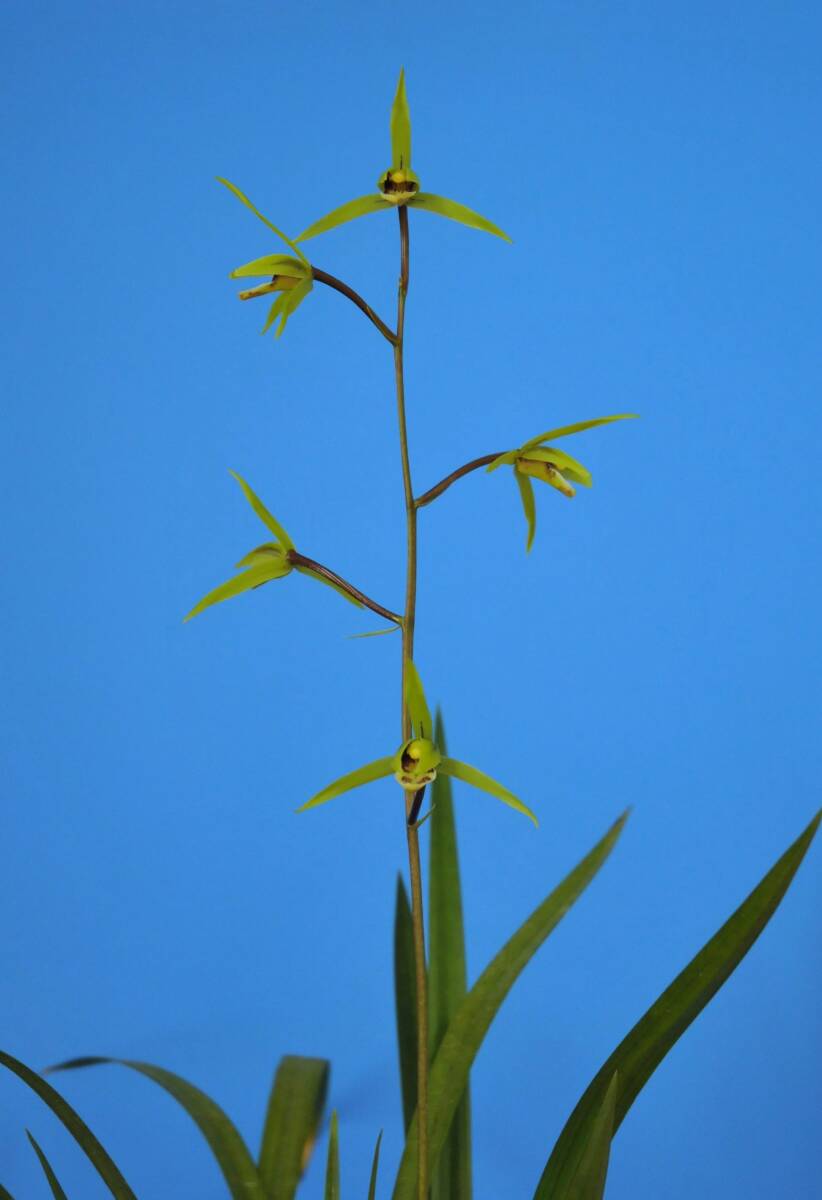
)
(294, 1112)
(53, 1182)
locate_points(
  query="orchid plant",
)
(441, 1021)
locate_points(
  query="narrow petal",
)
(360, 207)
(510, 456)
(273, 313)
(253, 577)
(477, 779)
(373, 633)
(263, 513)
(456, 212)
(270, 264)
(562, 461)
(245, 200)
(291, 302)
(400, 128)
(378, 769)
(526, 492)
(579, 427)
(260, 554)
(417, 704)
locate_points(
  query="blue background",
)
(658, 169)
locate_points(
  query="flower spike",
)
(416, 763)
(535, 460)
(399, 185)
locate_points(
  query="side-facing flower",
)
(399, 185)
(271, 560)
(290, 275)
(416, 763)
(537, 460)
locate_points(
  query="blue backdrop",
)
(658, 169)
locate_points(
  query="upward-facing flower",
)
(399, 185)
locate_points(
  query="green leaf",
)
(270, 264)
(263, 513)
(455, 212)
(400, 128)
(245, 200)
(526, 491)
(360, 207)
(226, 1144)
(367, 774)
(417, 704)
(375, 1165)
(54, 1183)
(332, 1168)
(253, 577)
(640, 1053)
(405, 995)
(330, 583)
(579, 427)
(78, 1129)
(562, 461)
(447, 975)
(588, 1179)
(293, 1118)
(449, 1073)
(5, 1194)
(478, 779)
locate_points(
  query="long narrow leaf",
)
(405, 996)
(375, 1166)
(78, 1129)
(226, 1144)
(263, 513)
(449, 1073)
(587, 1182)
(640, 1053)
(332, 1167)
(5, 1194)
(478, 779)
(354, 779)
(53, 1182)
(456, 212)
(447, 974)
(294, 1113)
(360, 207)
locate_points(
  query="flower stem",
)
(355, 298)
(411, 831)
(309, 564)
(439, 488)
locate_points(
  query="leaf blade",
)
(478, 779)
(53, 1182)
(447, 974)
(378, 769)
(332, 1169)
(294, 1113)
(473, 1019)
(405, 999)
(361, 206)
(230, 1151)
(455, 211)
(375, 1166)
(641, 1051)
(88, 1143)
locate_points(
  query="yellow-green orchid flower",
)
(290, 275)
(535, 460)
(272, 560)
(400, 186)
(416, 763)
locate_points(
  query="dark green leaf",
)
(447, 975)
(405, 994)
(354, 779)
(332, 1167)
(294, 1112)
(375, 1166)
(587, 1182)
(78, 1129)
(640, 1053)
(54, 1183)
(455, 212)
(469, 1026)
(227, 1146)
(360, 207)
(4, 1194)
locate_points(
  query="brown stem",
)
(443, 484)
(301, 560)
(338, 285)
